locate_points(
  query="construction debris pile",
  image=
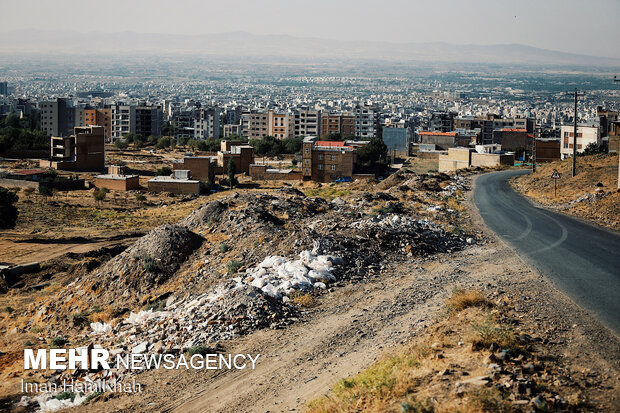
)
(230, 267)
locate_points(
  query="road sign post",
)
(555, 176)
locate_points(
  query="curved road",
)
(581, 259)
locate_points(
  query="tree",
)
(372, 157)
(164, 142)
(231, 172)
(121, 144)
(8, 210)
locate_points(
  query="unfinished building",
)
(82, 151)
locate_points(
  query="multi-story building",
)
(123, 120)
(366, 122)
(325, 161)
(207, 123)
(183, 121)
(258, 124)
(140, 120)
(149, 121)
(82, 151)
(442, 121)
(4, 88)
(585, 136)
(232, 130)
(280, 125)
(307, 122)
(57, 117)
(99, 117)
(254, 124)
(343, 124)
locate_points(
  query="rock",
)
(464, 386)
(539, 402)
(140, 348)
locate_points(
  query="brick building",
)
(325, 161)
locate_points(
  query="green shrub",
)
(223, 248)
(233, 266)
(65, 395)
(199, 349)
(58, 341)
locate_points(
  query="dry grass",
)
(462, 299)
(302, 299)
(407, 380)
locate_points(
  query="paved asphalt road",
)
(582, 260)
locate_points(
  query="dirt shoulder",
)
(591, 195)
(359, 323)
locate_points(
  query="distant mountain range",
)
(242, 44)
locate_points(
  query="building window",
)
(307, 170)
(307, 161)
(320, 157)
(320, 166)
(332, 157)
(332, 167)
(307, 150)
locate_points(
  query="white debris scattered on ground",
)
(100, 328)
(51, 405)
(278, 276)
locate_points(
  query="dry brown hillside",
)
(591, 195)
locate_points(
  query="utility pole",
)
(575, 135)
(618, 80)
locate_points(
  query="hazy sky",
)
(542, 23)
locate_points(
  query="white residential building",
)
(585, 136)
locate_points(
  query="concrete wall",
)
(491, 160)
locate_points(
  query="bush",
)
(58, 341)
(164, 171)
(100, 194)
(140, 198)
(149, 264)
(121, 144)
(80, 319)
(8, 210)
(223, 248)
(233, 266)
(461, 299)
(65, 395)
(199, 349)
(303, 299)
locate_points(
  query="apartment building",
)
(140, 120)
(343, 124)
(366, 122)
(254, 124)
(232, 130)
(58, 117)
(258, 124)
(207, 123)
(99, 117)
(307, 122)
(585, 136)
(4, 88)
(326, 161)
